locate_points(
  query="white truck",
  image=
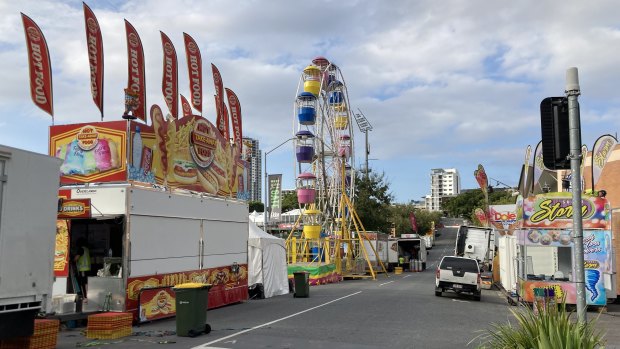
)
(476, 243)
(409, 247)
(145, 240)
(28, 208)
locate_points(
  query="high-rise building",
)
(252, 154)
(444, 182)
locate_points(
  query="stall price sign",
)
(74, 208)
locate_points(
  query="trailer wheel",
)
(438, 293)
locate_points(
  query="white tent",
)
(267, 262)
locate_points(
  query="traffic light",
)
(555, 133)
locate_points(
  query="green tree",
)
(372, 201)
(424, 218)
(289, 201)
(256, 206)
(464, 204)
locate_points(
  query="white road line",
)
(385, 283)
(205, 345)
(406, 276)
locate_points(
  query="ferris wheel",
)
(324, 141)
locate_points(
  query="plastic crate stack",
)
(44, 337)
(109, 325)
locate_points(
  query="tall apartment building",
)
(252, 154)
(444, 182)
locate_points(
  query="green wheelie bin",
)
(302, 284)
(191, 307)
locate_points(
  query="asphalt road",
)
(394, 311)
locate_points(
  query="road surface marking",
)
(406, 276)
(458, 300)
(205, 345)
(385, 283)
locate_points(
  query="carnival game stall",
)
(503, 219)
(545, 247)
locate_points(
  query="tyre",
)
(192, 333)
(477, 296)
(423, 265)
(207, 328)
(438, 293)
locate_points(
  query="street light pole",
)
(265, 213)
(364, 126)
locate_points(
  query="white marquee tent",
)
(267, 262)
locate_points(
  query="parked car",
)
(458, 274)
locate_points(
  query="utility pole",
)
(364, 126)
(574, 127)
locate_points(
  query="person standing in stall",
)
(82, 261)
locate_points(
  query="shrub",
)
(549, 327)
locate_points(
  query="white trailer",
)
(409, 247)
(477, 243)
(378, 241)
(159, 239)
(28, 207)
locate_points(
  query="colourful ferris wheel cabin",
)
(312, 79)
(341, 120)
(312, 224)
(345, 146)
(306, 108)
(304, 148)
(306, 184)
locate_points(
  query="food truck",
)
(157, 206)
(545, 243)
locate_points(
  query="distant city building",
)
(444, 182)
(252, 154)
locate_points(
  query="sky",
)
(445, 84)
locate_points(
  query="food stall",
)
(157, 206)
(545, 243)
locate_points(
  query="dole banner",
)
(603, 147)
(482, 217)
(194, 67)
(503, 218)
(170, 76)
(136, 82)
(275, 196)
(39, 66)
(481, 178)
(94, 43)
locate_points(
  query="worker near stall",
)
(82, 261)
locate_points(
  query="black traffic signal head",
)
(555, 133)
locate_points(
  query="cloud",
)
(444, 84)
